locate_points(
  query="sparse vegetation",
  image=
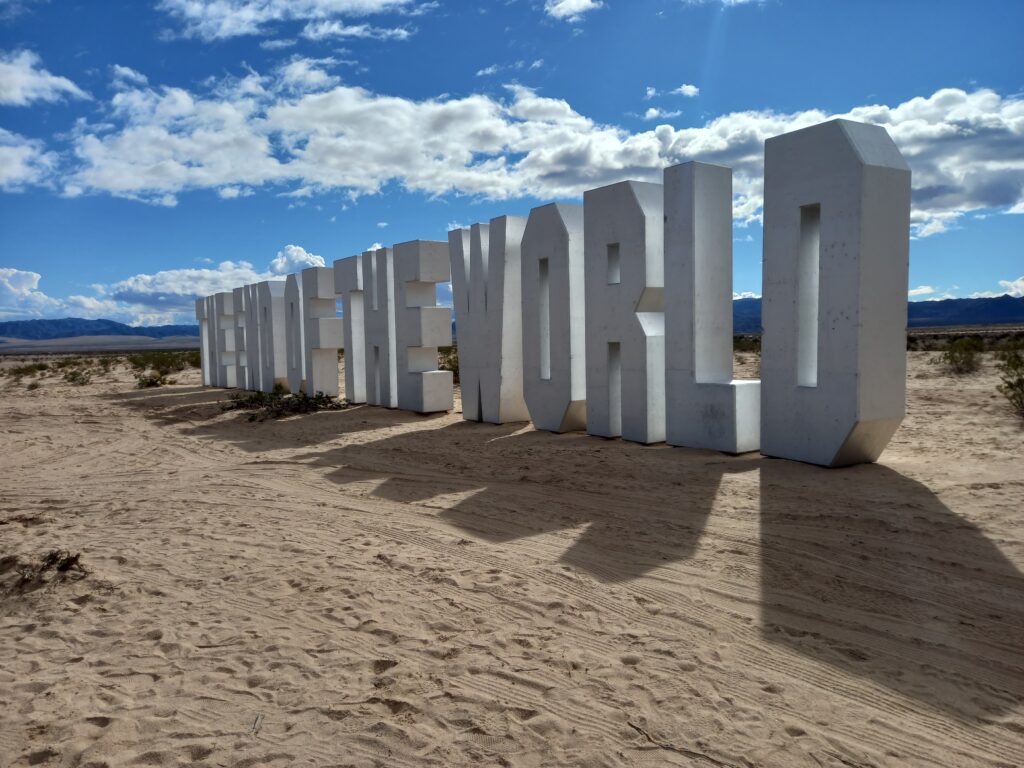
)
(274, 405)
(30, 369)
(147, 380)
(448, 360)
(164, 362)
(963, 355)
(32, 385)
(21, 574)
(1011, 370)
(78, 377)
(747, 342)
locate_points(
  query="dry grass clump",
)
(152, 369)
(1011, 370)
(274, 405)
(963, 355)
(19, 574)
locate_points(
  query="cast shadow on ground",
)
(495, 482)
(198, 412)
(868, 571)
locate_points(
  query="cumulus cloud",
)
(20, 295)
(966, 149)
(1013, 288)
(125, 77)
(686, 89)
(23, 81)
(23, 162)
(921, 290)
(654, 113)
(292, 258)
(570, 10)
(219, 19)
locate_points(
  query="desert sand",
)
(377, 588)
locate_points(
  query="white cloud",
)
(20, 295)
(381, 224)
(219, 19)
(233, 193)
(277, 44)
(966, 149)
(23, 162)
(126, 77)
(322, 30)
(653, 113)
(1013, 288)
(536, 63)
(23, 81)
(746, 295)
(650, 92)
(491, 70)
(921, 290)
(570, 10)
(292, 258)
(302, 75)
(686, 89)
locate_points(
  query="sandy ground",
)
(372, 587)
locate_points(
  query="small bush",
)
(78, 377)
(32, 385)
(147, 380)
(963, 355)
(746, 343)
(164, 362)
(448, 360)
(30, 369)
(274, 405)
(69, 362)
(1011, 369)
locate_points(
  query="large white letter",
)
(379, 313)
(294, 333)
(241, 351)
(270, 309)
(324, 331)
(421, 326)
(253, 350)
(486, 277)
(624, 274)
(348, 283)
(836, 241)
(224, 311)
(204, 341)
(704, 407)
(554, 329)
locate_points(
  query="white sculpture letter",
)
(324, 332)
(270, 310)
(488, 319)
(294, 333)
(836, 241)
(625, 322)
(224, 312)
(205, 352)
(348, 283)
(241, 353)
(253, 351)
(379, 313)
(554, 330)
(704, 407)
(421, 326)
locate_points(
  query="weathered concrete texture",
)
(294, 333)
(253, 338)
(241, 351)
(224, 311)
(704, 406)
(324, 332)
(486, 278)
(379, 313)
(205, 354)
(421, 326)
(625, 322)
(348, 283)
(273, 345)
(836, 242)
(554, 320)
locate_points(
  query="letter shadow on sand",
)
(868, 571)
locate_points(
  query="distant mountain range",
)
(746, 319)
(70, 327)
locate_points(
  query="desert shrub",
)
(29, 369)
(274, 405)
(746, 343)
(69, 362)
(164, 362)
(145, 380)
(1011, 369)
(78, 377)
(448, 360)
(963, 355)
(32, 385)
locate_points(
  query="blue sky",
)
(151, 150)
